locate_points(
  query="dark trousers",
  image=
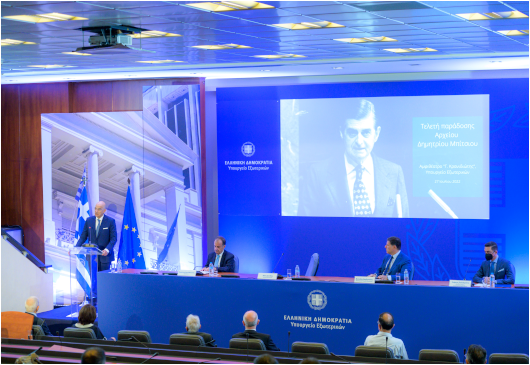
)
(102, 266)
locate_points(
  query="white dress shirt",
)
(393, 259)
(220, 258)
(367, 179)
(393, 343)
(100, 222)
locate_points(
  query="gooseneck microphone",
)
(289, 343)
(467, 269)
(146, 360)
(465, 352)
(274, 270)
(247, 344)
(340, 357)
(207, 361)
(386, 348)
(140, 342)
(209, 342)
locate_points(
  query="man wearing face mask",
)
(501, 268)
(356, 183)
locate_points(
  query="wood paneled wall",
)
(22, 106)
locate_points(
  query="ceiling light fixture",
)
(277, 56)
(366, 40)
(265, 70)
(216, 47)
(14, 42)
(410, 50)
(308, 25)
(50, 66)
(154, 34)
(77, 53)
(513, 32)
(493, 16)
(230, 6)
(43, 18)
(159, 61)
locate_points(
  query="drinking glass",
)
(398, 278)
(289, 275)
(215, 271)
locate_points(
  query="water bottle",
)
(119, 266)
(210, 270)
(297, 271)
(492, 281)
(406, 277)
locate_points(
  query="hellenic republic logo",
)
(317, 300)
(248, 149)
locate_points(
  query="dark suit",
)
(105, 239)
(400, 264)
(324, 190)
(267, 340)
(40, 322)
(503, 272)
(205, 336)
(227, 263)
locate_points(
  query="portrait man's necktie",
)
(361, 202)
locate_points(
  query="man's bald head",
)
(32, 305)
(250, 320)
(386, 321)
(100, 209)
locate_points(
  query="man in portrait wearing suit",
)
(357, 183)
(251, 321)
(394, 262)
(223, 260)
(501, 268)
(101, 230)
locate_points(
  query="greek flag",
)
(82, 267)
(169, 239)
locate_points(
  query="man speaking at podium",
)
(223, 260)
(100, 230)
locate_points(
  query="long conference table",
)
(331, 310)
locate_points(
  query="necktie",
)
(97, 227)
(387, 268)
(492, 268)
(361, 202)
(217, 261)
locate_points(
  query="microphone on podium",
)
(467, 268)
(274, 270)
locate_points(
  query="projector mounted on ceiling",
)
(111, 40)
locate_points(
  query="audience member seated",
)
(265, 359)
(385, 325)
(476, 354)
(310, 360)
(86, 318)
(193, 325)
(32, 307)
(93, 355)
(251, 321)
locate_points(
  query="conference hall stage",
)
(332, 310)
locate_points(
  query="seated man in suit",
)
(476, 354)
(251, 321)
(32, 307)
(223, 260)
(394, 262)
(101, 230)
(501, 268)
(193, 325)
(383, 338)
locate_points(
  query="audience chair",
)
(310, 348)
(374, 351)
(141, 336)
(509, 359)
(513, 270)
(16, 324)
(241, 343)
(439, 355)
(37, 331)
(313, 265)
(236, 264)
(186, 340)
(79, 333)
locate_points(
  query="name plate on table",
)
(267, 276)
(187, 272)
(365, 279)
(460, 283)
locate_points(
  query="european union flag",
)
(130, 254)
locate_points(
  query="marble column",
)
(93, 176)
(49, 224)
(134, 175)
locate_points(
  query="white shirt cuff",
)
(389, 277)
(106, 250)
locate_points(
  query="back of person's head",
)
(87, 314)
(265, 359)
(193, 323)
(476, 354)
(395, 241)
(310, 360)
(93, 355)
(32, 303)
(386, 320)
(250, 318)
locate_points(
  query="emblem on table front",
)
(317, 300)
(248, 149)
